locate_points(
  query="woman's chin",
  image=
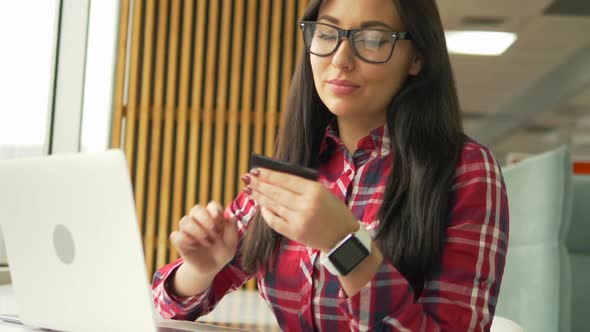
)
(341, 113)
(341, 109)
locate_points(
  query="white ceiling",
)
(490, 88)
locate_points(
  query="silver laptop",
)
(74, 247)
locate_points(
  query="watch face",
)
(350, 254)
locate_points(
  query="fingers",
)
(195, 233)
(264, 199)
(215, 210)
(204, 226)
(287, 181)
(184, 242)
(231, 232)
(274, 221)
(207, 217)
(200, 228)
(277, 194)
(285, 203)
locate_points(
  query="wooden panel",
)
(302, 4)
(156, 141)
(181, 123)
(272, 108)
(144, 112)
(165, 181)
(221, 107)
(262, 47)
(291, 29)
(120, 74)
(211, 80)
(199, 90)
(234, 104)
(131, 114)
(195, 114)
(247, 107)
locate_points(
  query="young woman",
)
(406, 228)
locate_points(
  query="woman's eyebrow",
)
(370, 24)
(366, 24)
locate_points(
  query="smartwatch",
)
(348, 253)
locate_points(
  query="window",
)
(26, 84)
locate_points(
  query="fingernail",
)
(245, 179)
(215, 214)
(210, 207)
(255, 172)
(247, 191)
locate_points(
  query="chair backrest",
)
(537, 262)
(578, 244)
(501, 324)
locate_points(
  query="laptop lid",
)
(73, 243)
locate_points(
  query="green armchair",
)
(535, 292)
(578, 245)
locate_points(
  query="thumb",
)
(230, 230)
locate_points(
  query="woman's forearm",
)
(354, 281)
(189, 282)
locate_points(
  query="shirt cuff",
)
(181, 305)
(350, 305)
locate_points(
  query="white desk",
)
(7, 301)
(238, 309)
(7, 327)
(8, 305)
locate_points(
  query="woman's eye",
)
(372, 43)
(327, 36)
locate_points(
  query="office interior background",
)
(188, 89)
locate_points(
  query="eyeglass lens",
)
(371, 45)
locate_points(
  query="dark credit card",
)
(261, 161)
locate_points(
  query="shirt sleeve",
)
(230, 278)
(463, 291)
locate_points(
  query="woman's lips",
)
(342, 87)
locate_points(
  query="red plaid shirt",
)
(461, 295)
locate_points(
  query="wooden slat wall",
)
(200, 86)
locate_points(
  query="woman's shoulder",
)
(474, 152)
(476, 161)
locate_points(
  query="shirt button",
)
(348, 171)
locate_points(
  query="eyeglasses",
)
(369, 45)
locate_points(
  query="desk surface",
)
(240, 309)
(7, 327)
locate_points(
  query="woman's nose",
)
(343, 58)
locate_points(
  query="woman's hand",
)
(299, 209)
(206, 240)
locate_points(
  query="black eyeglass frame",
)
(344, 33)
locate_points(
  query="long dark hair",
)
(426, 135)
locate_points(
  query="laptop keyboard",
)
(175, 326)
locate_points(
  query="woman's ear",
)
(416, 64)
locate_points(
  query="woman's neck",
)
(352, 130)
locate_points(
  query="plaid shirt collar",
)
(377, 140)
